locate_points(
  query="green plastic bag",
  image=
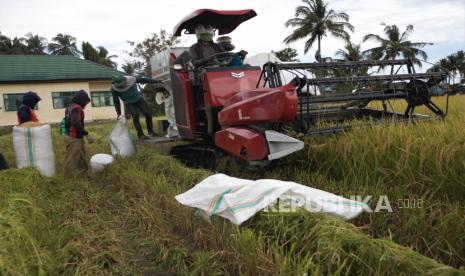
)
(63, 127)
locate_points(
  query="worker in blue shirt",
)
(125, 88)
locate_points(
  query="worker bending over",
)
(26, 109)
(125, 88)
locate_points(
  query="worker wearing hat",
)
(76, 163)
(225, 44)
(126, 89)
(205, 47)
(25, 111)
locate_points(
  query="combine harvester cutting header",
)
(244, 110)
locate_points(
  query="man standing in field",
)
(76, 163)
(25, 111)
(125, 88)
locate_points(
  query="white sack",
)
(239, 199)
(99, 161)
(172, 130)
(121, 141)
(33, 148)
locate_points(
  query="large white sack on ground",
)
(99, 161)
(121, 141)
(239, 199)
(34, 148)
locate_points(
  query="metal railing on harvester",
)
(338, 91)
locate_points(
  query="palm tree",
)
(351, 52)
(314, 21)
(65, 45)
(396, 45)
(89, 52)
(105, 59)
(3, 38)
(13, 46)
(445, 64)
(99, 55)
(35, 44)
(287, 55)
(4, 43)
(454, 64)
(128, 68)
(457, 63)
(133, 67)
(461, 63)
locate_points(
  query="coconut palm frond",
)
(314, 21)
(395, 44)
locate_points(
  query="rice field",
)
(125, 220)
(420, 168)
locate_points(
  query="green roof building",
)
(55, 79)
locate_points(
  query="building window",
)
(13, 101)
(102, 98)
(62, 99)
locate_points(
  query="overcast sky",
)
(111, 23)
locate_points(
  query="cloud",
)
(111, 23)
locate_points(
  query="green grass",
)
(125, 220)
(423, 163)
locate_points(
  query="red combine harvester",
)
(219, 107)
(244, 110)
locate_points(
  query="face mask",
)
(206, 37)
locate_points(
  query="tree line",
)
(313, 21)
(454, 64)
(61, 44)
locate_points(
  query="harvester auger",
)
(352, 86)
(244, 111)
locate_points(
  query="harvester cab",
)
(219, 106)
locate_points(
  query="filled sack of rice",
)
(121, 141)
(33, 147)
